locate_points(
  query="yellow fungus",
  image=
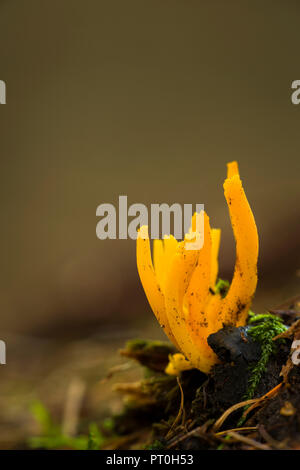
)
(177, 363)
(238, 300)
(150, 283)
(181, 286)
(215, 245)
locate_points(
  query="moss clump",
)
(263, 328)
(52, 436)
(222, 287)
(156, 445)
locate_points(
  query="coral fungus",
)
(181, 286)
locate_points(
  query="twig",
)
(75, 394)
(230, 410)
(199, 431)
(181, 412)
(114, 370)
(269, 439)
(248, 440)
(259, 401)
(249, 428)
(288, 333)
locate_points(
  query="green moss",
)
(263, 328)
(52, 436)
(222, 287)
(156, 445)
(95, 438)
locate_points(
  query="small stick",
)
(269, 439)
(230, 410)
(200, 430)
(75, 394)
(116, 369)
(181, 412)
(259, 401)
(292, 329)
(248, 440)
(249, 428)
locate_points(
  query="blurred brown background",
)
(148, 99)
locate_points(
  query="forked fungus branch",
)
(181, 284)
